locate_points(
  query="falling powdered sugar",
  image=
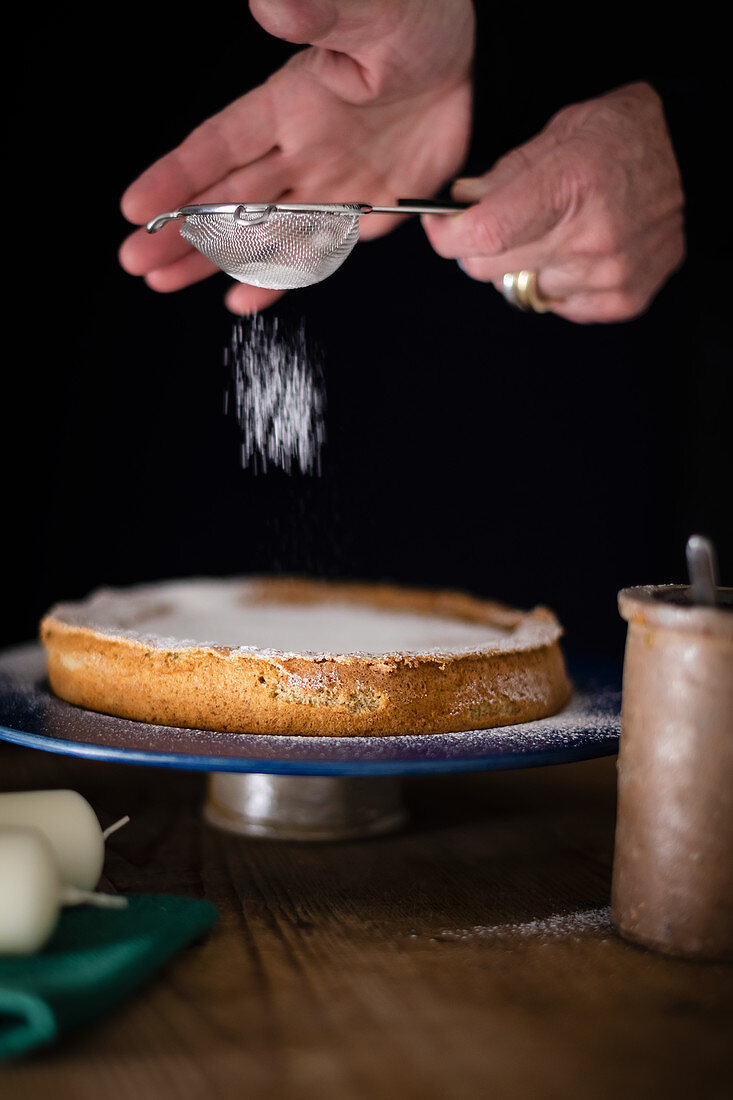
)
(276, 389)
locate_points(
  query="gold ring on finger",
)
(520, 289)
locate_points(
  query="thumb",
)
(340, 25)
(344, 32)
(471, 188)
(295, 20)
(516, 203)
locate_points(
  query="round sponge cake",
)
(305, 657)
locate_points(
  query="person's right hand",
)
(377, 108)
(593, 204)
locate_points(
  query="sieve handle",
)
(447, 206)
(421, 206)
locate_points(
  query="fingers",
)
(240, 298)
(249, 299)
(535, 257)
(619, 288)
(506, 217)
(143, 253)
(235, 138)
(191, 269)
(592, 288)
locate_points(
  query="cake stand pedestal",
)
(304, 807)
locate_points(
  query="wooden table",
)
(468, 956)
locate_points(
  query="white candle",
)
(69, 824)
(29, 892)
(32, 893)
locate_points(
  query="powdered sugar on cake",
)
(233, 614)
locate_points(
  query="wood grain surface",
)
(467, 956)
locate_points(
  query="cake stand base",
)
(300, 807)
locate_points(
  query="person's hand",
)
(377, 108)
(593, 204)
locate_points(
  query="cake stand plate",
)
(313, 788)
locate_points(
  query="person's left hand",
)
(593, 205)
(378, 106)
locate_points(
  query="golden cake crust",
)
(168, 681)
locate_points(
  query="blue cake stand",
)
(313, 788)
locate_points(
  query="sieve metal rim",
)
(404, 206)
(237, 209)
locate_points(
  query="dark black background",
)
(521, 457)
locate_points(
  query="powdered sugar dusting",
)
(232, 613)
(590, 718)
(559, 926)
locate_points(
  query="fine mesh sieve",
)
(282, 246)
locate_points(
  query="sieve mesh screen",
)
(284, 251)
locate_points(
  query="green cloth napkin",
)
(94, 959)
